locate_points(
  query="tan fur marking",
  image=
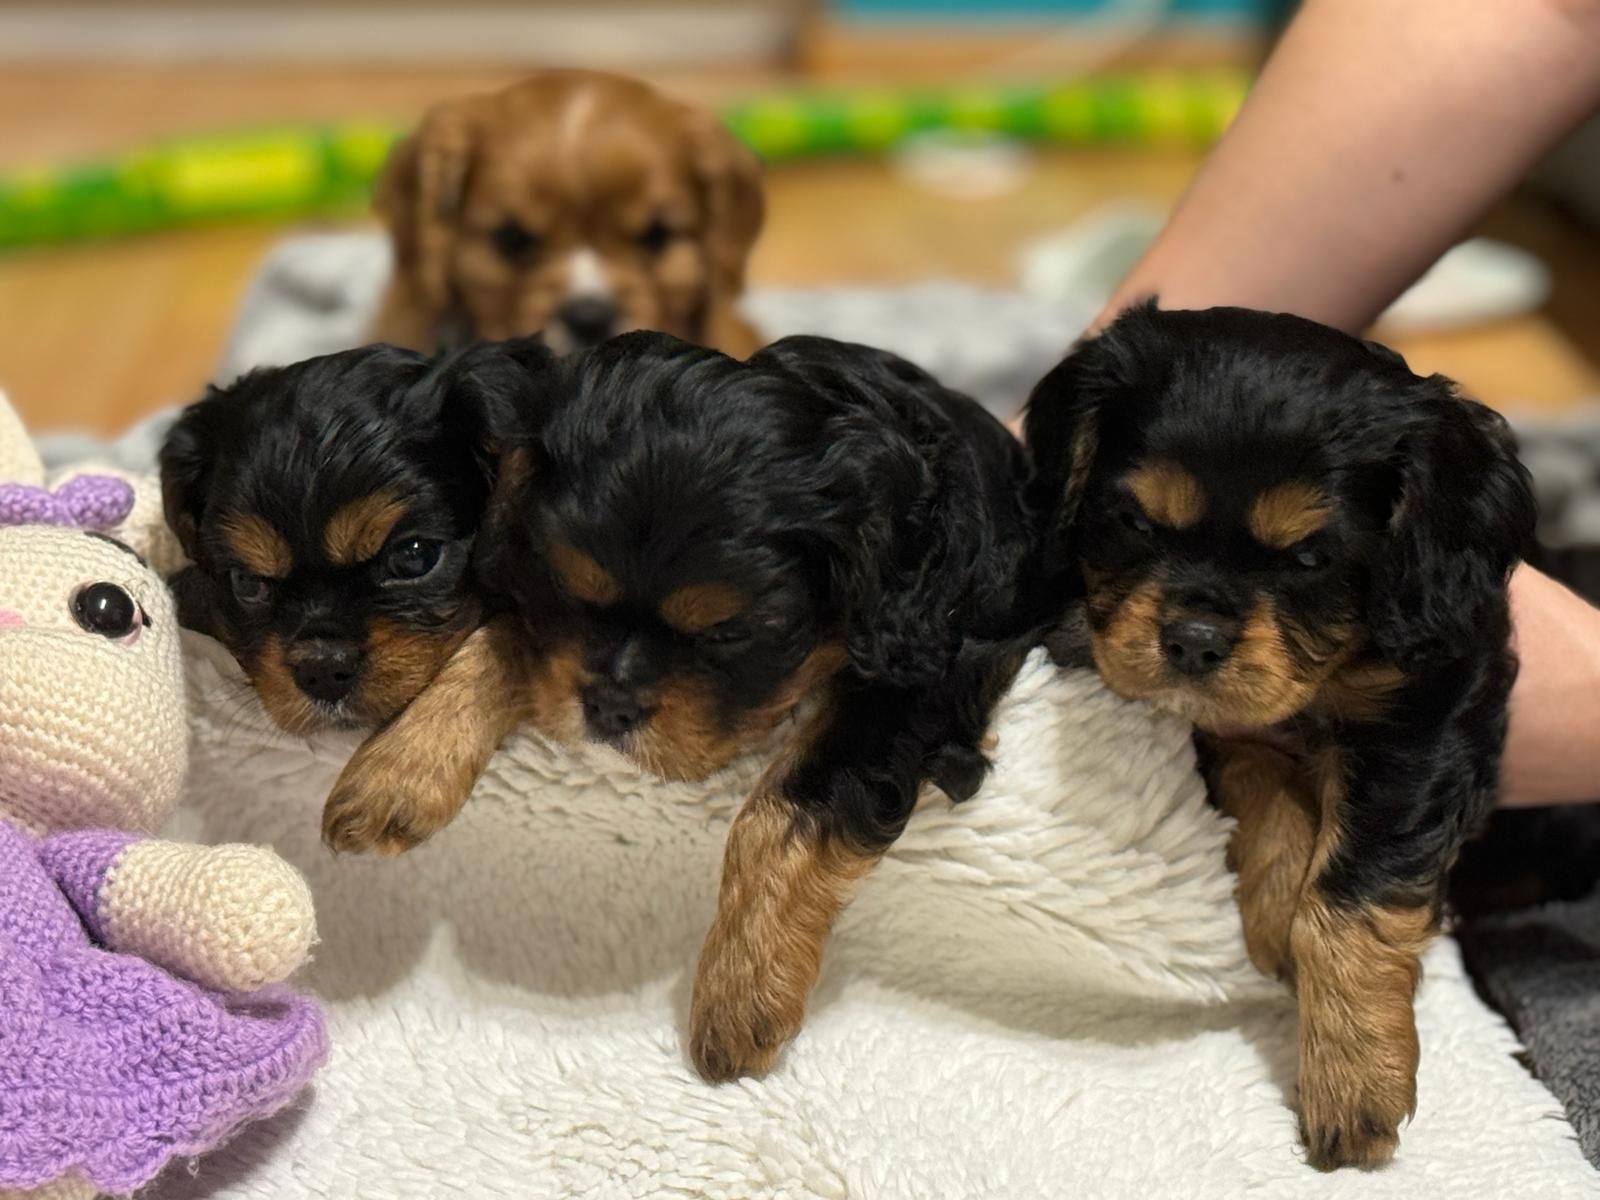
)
(701, 605)
(1356, 973)
(259, 548)
(357, 532)
(783, 883)
(1168, 494)
(1259, 684)
(583, 578)
(401, 662)
(684, 740)
(1288, 513)
(280, 696)
(1265, 793)
(1127, 649)
(556, 677)
(1360, 691)
(410, 778)
(1354, 968)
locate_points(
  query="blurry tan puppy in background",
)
(576, 203)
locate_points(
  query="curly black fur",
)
(846, 494)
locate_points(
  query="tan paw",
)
(1350, 1121)
(373, 810)
(735, 1030)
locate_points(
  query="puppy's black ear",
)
(1063, 416)
(484, 397)
(1464, 516)
(901, 546)
(491, 400)
(185, 462)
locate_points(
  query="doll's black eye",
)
(413, 558)
(249, 590)
(108, 610)
(654, 238)
(514, 243)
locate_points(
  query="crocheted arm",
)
(229, 917)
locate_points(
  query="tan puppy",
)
(575, 203)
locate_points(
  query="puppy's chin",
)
(688, 736)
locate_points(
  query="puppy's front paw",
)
(379, 806)
(736, 1028)
(1350, 1115)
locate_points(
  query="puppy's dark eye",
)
(1309, 558)
(727, 634)
(249, 590)
(108, 610)
(413, 558)
(514, 243)
(1136, 521)
(654, 237)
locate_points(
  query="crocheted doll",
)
(136, 1020)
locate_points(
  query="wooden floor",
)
(98, 335)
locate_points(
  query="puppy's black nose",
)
(611, 711)
(326, 670)
(1197, 646)
(590, 319)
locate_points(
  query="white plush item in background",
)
(1041, 993)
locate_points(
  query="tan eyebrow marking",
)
(359, 529)
(260, 548)
(1286, 513)
(1169, 494)
(700, 606)
(583, 578)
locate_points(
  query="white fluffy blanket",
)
(1041, 993)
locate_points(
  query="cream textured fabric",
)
(94, 736)
(1041, 993)
(62, 1189)
(100, 739)
(246, 921)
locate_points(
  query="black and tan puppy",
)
(329, 509)
(1287, 537)
(698, 548)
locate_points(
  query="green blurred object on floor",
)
(299, 171)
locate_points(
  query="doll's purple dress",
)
(110, 1066)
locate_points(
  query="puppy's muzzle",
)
(611, 711)
(588, 320)
(1197, 646)
(326, 670)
